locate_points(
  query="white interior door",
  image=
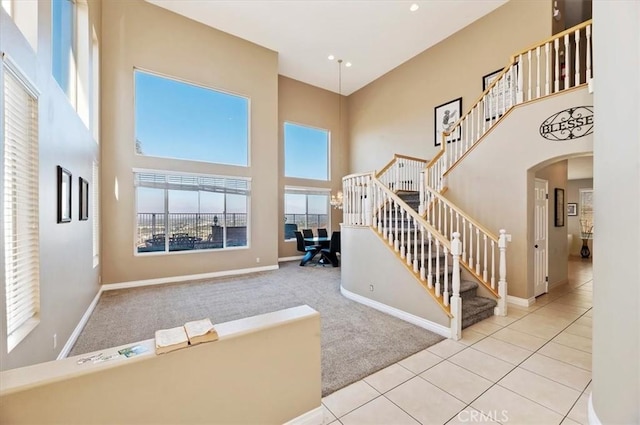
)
(540, 238)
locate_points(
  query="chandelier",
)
(336, 200)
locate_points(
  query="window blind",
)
(193, 183)
(20, 203)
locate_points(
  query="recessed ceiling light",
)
(414, 7)
(348, 64)
(331, 57)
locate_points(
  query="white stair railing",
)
(402, 173)
(368, 202)
(549, 67)
(480, 250)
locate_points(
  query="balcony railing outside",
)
(190, 231)
(304, 221)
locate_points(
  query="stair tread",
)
(477, 305)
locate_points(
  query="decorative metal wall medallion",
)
(569, 124)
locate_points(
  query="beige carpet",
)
(356, 340)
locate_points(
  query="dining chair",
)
(309, 250)
(330, 255)
(307, 233)
(323, 233)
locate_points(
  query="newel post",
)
(456, 301)
(502, 282)
(423, 176)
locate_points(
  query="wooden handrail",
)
(552, 38)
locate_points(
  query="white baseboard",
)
(294, 258)
(522, 302)
(392, 311)
(312, 417)
(174, 279)
(591, 412)
(79, 327)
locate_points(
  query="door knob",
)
(535, 246)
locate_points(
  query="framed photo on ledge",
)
(64, 195)
(445, 116)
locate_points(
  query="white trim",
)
(522, 302)
(407, 317)
(591, 412)
(16, 71)
(294, 258)
(81, 324)
(312, 417)
(173, 279)
(188, 173)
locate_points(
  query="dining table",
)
(318, 242)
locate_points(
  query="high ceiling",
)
(374, 35)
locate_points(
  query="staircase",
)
(474, 307)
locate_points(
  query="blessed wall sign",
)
(569, 124)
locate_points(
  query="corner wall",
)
(138, 34)
(68, 279)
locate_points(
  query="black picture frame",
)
(488, 79)
(559, 207)
(65, 183)
(444, 116)
(572, 209)
(83, 199)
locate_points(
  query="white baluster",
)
(529, 65)
(470, 260)
(567, 61)
(415, 246)
(485, 108)
(556, 80)
(421, 192)
(537, 72)
(464, 239)
(486, 253)
(430, 262)
(438, 271)
(520, 88)
(577, 67)
(477, 251)
(489, 107)
(422, 269)
(403, 249)
(456, 301)
(493, 265)
(396, 242)
(502, 283)
(445, 295)
(547, 66)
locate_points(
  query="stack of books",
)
(192, 333)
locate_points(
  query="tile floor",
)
(531, 367)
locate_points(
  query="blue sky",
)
(177, 120)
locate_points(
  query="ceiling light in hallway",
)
(414, 7)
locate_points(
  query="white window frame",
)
(586, 215)
(16, 332)
(328, 158)
(297, 190)
(228, 189)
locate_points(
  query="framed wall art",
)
(445, 116)
(64, 195)
(572, 209)
(83, 211)
(559, 207)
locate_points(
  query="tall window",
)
(187, 212)
(184, 121)
(305, 209)
(306, 152)
(25, 16)
(586, 213)
(64, 45)
(20, 208)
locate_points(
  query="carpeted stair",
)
(474, 307)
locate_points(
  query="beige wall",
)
(304, 104)
(616, 186)
(495, 182)
(573, 222)
(223, 382)
(139, 35)
(394, 114)
(393, 284)
(68, 280)
(556, 175)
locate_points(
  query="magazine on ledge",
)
(200, 331)
(171, 339)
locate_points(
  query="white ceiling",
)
(374, 35)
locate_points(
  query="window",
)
(63, 49)
(306, 152)
(184, 121)
(95, 202)
(25, 16)
(20, 208)
(305, 209)
(188, 212)
(586, 213)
